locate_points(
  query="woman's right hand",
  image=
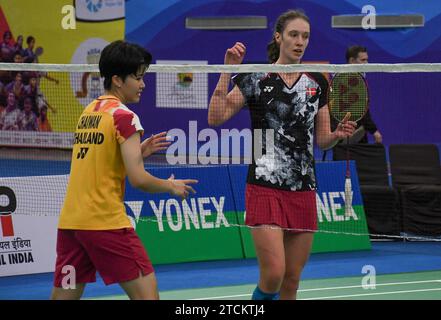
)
(235, 54)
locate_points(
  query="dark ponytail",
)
(273, 50)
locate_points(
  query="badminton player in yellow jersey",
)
(94, 232)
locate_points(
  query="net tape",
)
(159, 68)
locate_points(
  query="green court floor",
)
(400, 286)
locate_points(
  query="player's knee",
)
(274, 274)
(291, 282)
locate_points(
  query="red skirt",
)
(296, 210)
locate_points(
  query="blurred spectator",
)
(31, 89)
(10, 116)
(27, 120)
(43, 122)
(29, 55)
(18, 58)
(7, 47)
(18, 47)
(16, 86)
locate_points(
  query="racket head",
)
(348, 92)
(39, 51)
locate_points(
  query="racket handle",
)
(348, 197)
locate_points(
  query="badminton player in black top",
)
(280, 192)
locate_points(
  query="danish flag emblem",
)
(311, 92)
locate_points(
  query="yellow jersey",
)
(95, 192)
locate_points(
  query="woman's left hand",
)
(345, 128)
(155, 143)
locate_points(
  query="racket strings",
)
(348, 92)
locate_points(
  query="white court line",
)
(378, 284)
(328, 288)
(372, 294)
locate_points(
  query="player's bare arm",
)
(223, 104)
(141, 179)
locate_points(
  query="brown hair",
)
(273, 49)
(352, 52)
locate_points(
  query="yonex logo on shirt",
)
(82, 153)
(268, 89)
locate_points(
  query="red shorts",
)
(118, 255)
(287, 209)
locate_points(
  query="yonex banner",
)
(196, 229)
(204, 227)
